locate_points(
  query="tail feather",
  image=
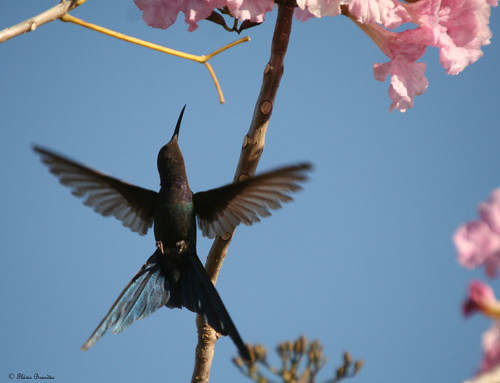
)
(161, 282)
(146, 293)
(199, 295)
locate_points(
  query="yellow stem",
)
(242, 40)
(200, 59)
(219, 90)
(130, 39)
(491, 309)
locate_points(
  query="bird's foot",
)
(181, 246)
(159, 245)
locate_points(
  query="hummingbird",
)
(174, 275)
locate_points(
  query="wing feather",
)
(108, 196)
(221, 210)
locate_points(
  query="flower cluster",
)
(458, 28)
(478, 244)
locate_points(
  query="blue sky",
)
(362, 259)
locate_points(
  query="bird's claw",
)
(181, 246)
(159, 245)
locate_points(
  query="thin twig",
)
(60, 11)
(253, 145)
(203, 59)
(130, 39)
(216, 82)
(34, 22)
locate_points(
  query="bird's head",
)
(170, 156)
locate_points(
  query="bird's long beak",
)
(177, 127)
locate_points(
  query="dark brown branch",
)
(253, 146)
(34, 22)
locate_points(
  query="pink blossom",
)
(407, 81)
(253, 10)
(303, 14)
(163, 13)
(407, 76)
(159, 14)
(320, 8)
(478, 242)
(492, 264)
(475, 242)
(390, 13)
(480, 298)
(459, 29)
(491, 348)
(490, 211)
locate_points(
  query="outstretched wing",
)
(132, 205)
(146, 293)
(221, 210)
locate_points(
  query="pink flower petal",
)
(492, 264)
(303, 14)
(407, 81)
(197, 10)
(491, 348)
(480, 296)
(407, 77)
(490, 211)
(320, 8)
(460, 29)
(253, 10)
(163, 13)
(475, 242)
(159, 13)
(389, 13)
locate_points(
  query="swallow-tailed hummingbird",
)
(174, 276)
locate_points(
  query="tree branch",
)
(253, 146)
(32, 23)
